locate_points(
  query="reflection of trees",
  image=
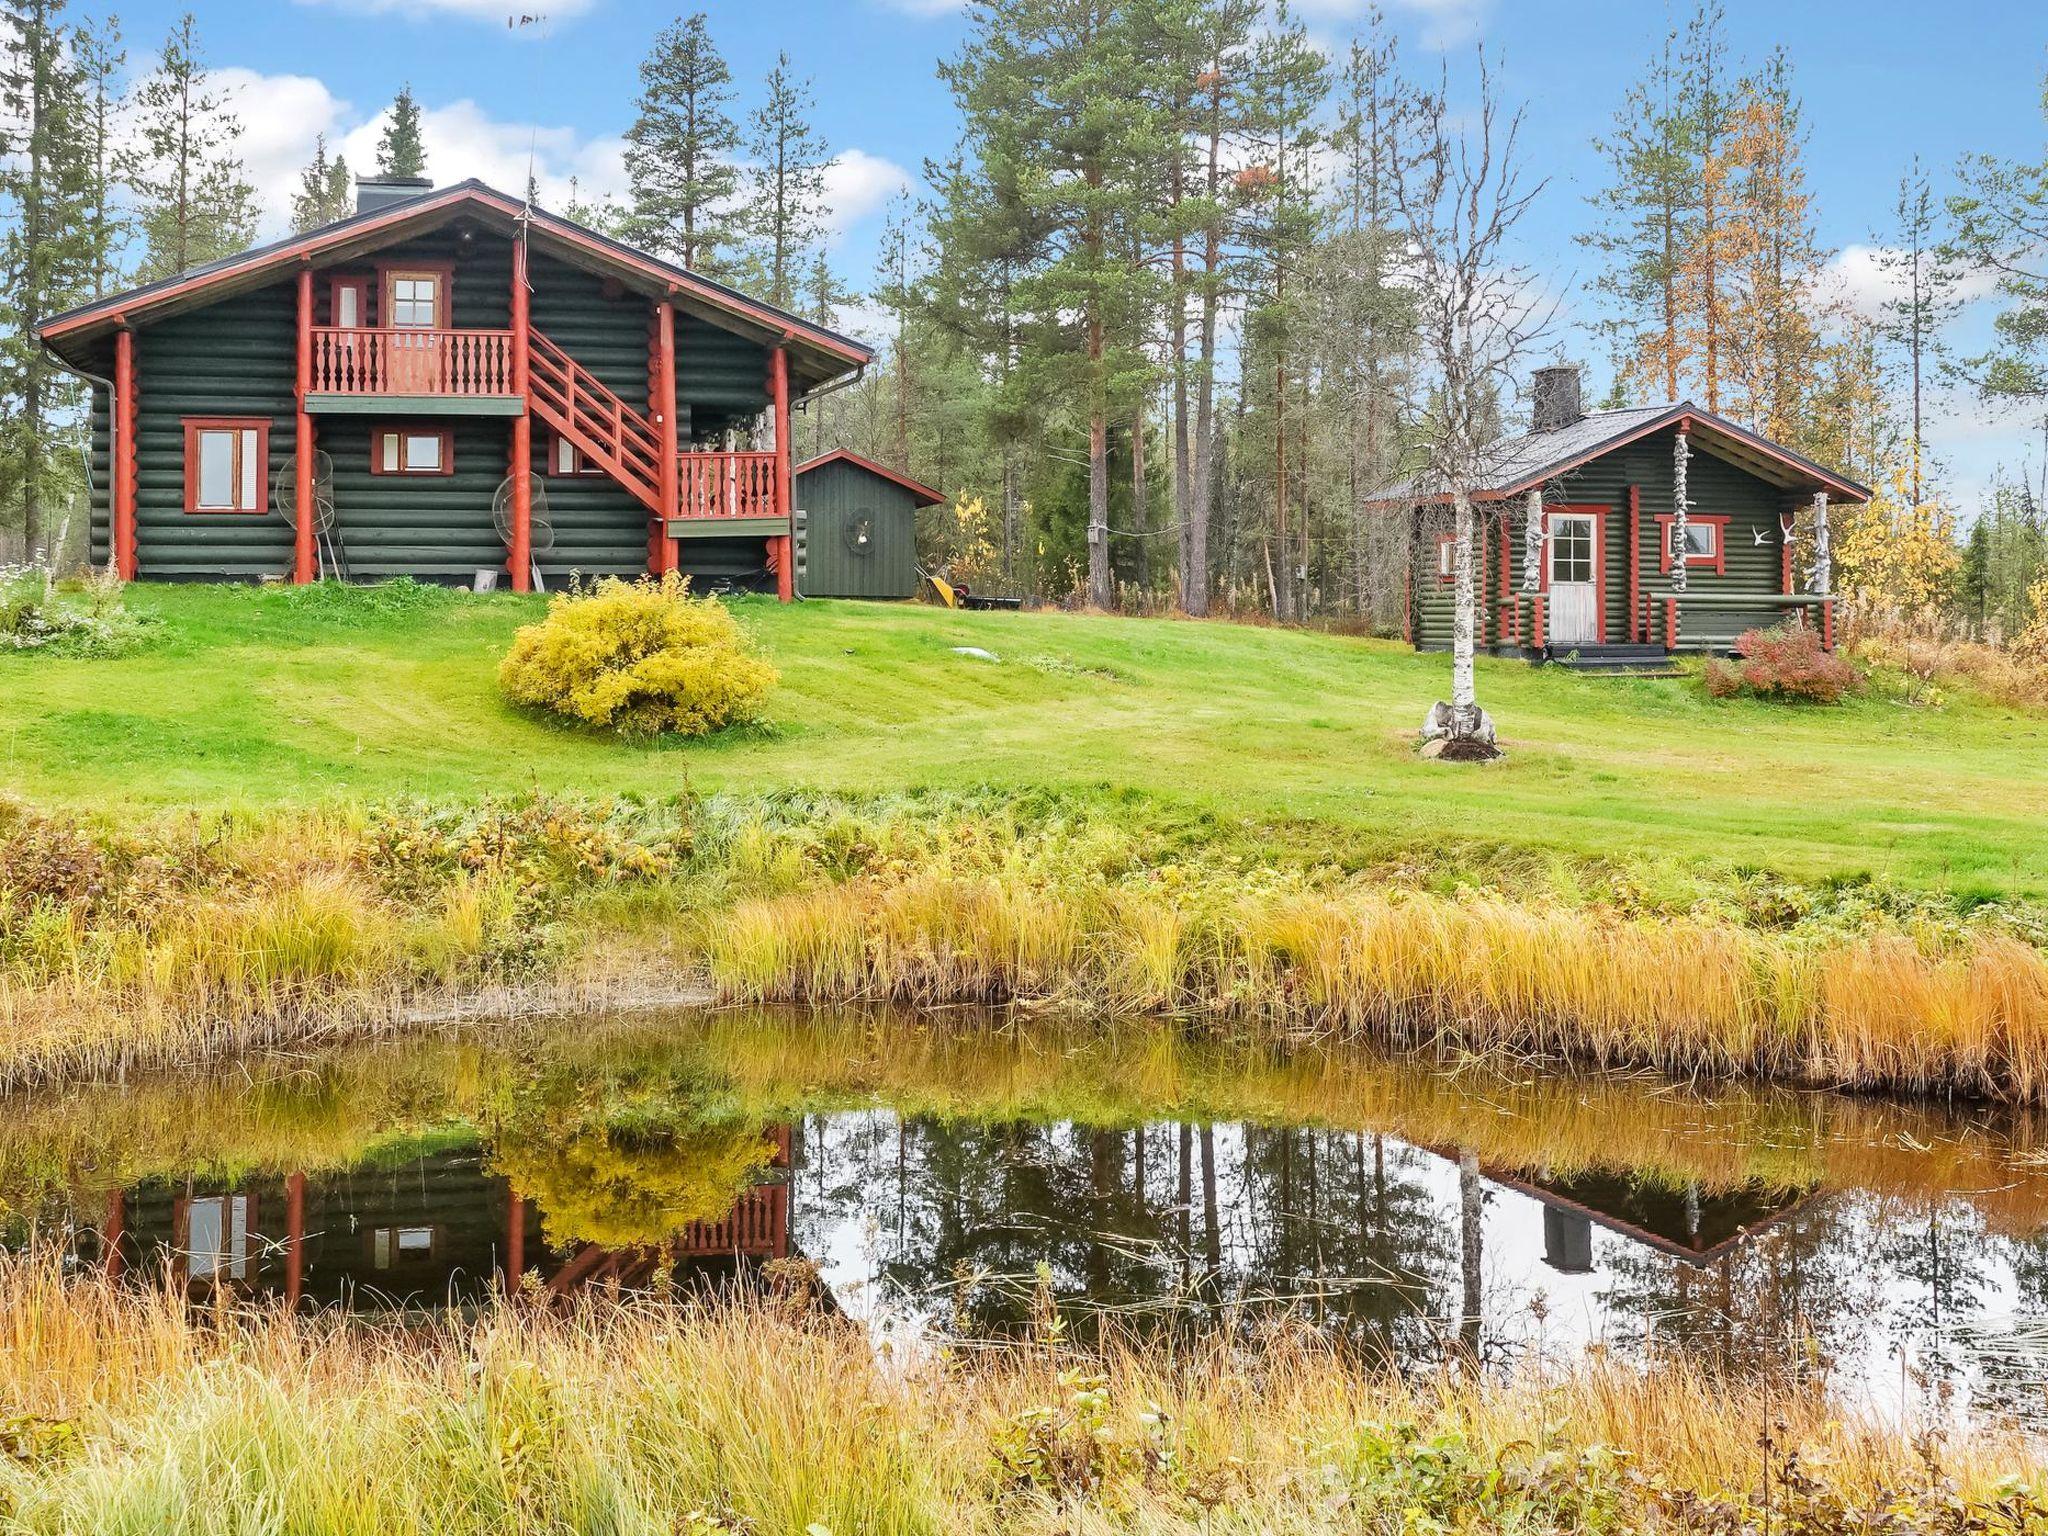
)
(621, 1161)
(1157, 1227)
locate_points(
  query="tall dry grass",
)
(132, 1413)
(1965, 1015)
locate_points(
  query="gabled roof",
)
(817, 354)
(926, 496)
(1515, 465)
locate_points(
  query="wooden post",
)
(664, 547)
(112, 1230)
(303, 510)
(122, 511)
(782, 546)
(294, 1238)
(1637, 625)
(521, 558)
(515, 1241)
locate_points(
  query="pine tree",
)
(97, 48)
(1279, 221)
(47, 254)
(824, 294)
(679, 154)
(1923, 299)
(192, 204)
(895, 292)
(2001, 230)
(326, 190)
(401, 151)
(1650, 210)
(785, 214)
(1704, 104)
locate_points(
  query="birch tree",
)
(1460, 192)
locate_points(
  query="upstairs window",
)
(412, 451)
(226, 460)
(415, 299)
(350, 297)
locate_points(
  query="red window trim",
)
(194, 425)
(589, 471)
(1718, 521)
(1599, 514)
(1446, 570)
(363, 284)
(380, 432)
(444, 299)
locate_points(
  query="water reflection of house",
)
(1682, 1223)
(437, 1229)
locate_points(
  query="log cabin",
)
(1614, 539)
(359, 402)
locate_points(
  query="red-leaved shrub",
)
(1788, 662)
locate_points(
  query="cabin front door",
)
(1574, 584)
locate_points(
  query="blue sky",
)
(1881, 80)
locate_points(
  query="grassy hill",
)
(260, 698)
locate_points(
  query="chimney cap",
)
(374, 192)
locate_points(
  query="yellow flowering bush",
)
(643, 658)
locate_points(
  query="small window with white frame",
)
(226, 463)
(1446, 557)
(1702, 541)
(411, 451)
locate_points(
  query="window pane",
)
(390, 452)
(252, 473)
(205, 1235)
(216, 469)
(423, 451)
(345, 301)
(413, 301)
(1699, 538)
(415, 1239)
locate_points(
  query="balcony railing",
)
(726, 485)
(401, 361)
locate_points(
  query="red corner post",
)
(521, 555)
(663, 547)
(781, 547)
(122, 513)
(302, 445)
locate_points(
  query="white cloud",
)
(501, 12)
(1860, 278)
(463, 140)
(857, 185)
(281, 116)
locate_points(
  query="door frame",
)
(1599, 515)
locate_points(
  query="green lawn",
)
(258, 697)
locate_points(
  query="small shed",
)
(856, 529)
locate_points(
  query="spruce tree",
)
(47, 252)
(326, 191)
(679, 151)
(401, 151)
(1923, 298)
(785, 214)
(192, 204)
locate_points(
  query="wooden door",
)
(1574, 580)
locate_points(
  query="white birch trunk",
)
(1681, 451)
(1464, 688)
(1823, 555)
(1532, 544)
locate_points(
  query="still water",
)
(968, 1182)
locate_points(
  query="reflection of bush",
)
(622, 1166)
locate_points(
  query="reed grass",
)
(178, 943)
(131, 1412)
(1964, 1015)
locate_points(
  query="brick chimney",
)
(1555, 399)
(374, 192)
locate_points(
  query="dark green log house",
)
(1657, 529)
(353, 402)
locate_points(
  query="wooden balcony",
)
(725, 495)
(428, 371)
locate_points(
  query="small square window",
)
(566, 459)
(1702, 541)
(414, 300)
(399, 451)
(1447, 557)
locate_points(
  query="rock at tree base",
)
(1447, 721)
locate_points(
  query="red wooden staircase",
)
(621, 441)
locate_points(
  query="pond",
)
(962, 1181)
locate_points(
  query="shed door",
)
(1574, 593)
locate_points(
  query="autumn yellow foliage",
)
(1896, 556)
(643, 658)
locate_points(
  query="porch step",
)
(1617, 660)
